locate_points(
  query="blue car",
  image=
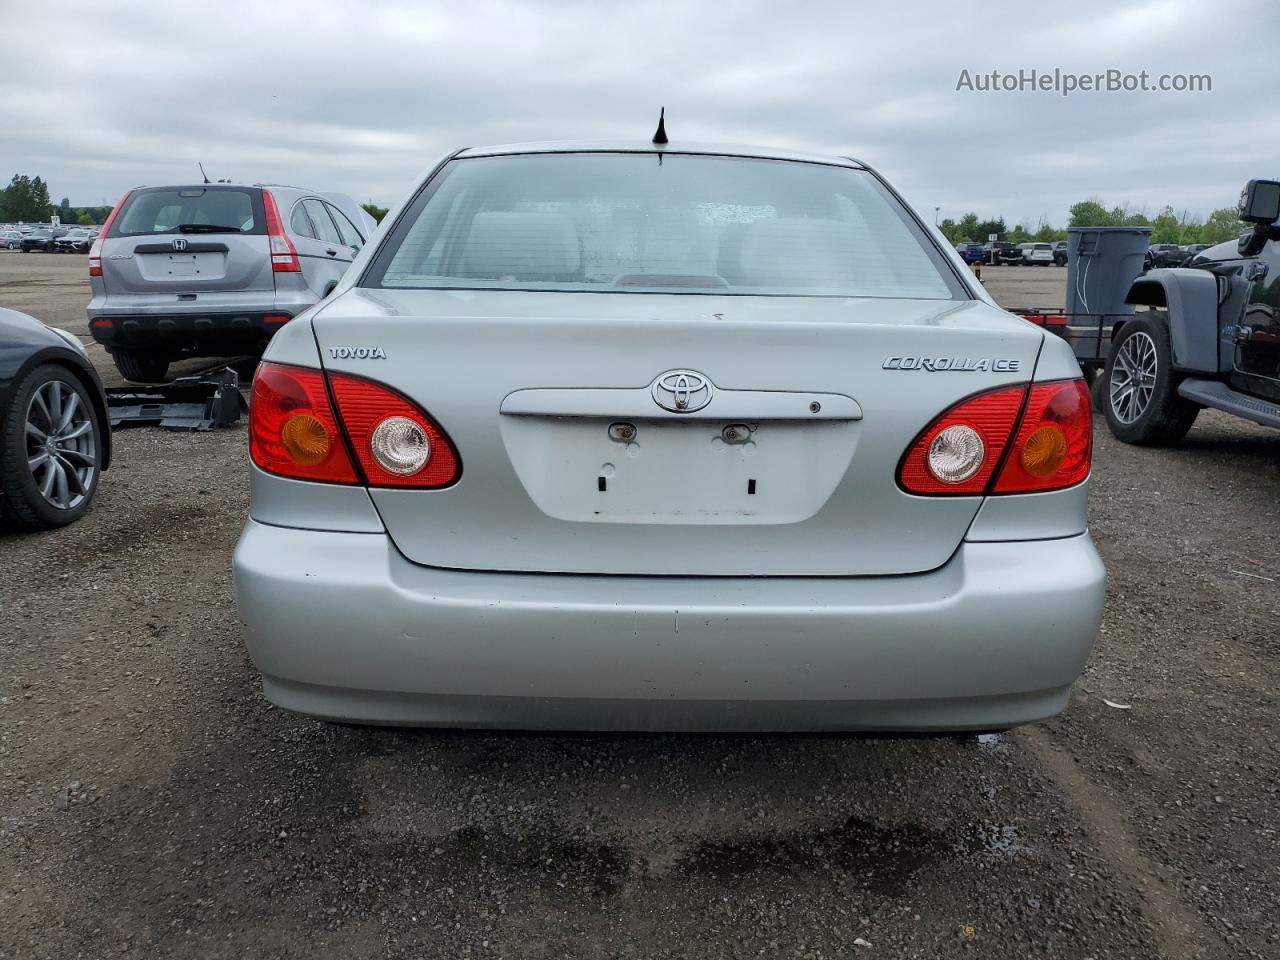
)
(971, 252)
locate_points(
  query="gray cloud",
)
(98, 97)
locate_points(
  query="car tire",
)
(140, 367)
(1139, 391)
(60, 489)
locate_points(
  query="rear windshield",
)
(190, 210)
(678, 223)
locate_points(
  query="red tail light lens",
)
(1054, 445)
(292, 429)
(990, 417)
(397, 444)
(968, 452)
(284, 256)
(95, 251)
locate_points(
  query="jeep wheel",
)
(1140, 389)
(140, 367)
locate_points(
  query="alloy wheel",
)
(1134, 378)
(61, 445)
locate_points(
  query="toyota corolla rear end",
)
(639, 439)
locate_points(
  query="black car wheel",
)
(1140, 389)
(52, 440)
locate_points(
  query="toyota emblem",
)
(682, 391)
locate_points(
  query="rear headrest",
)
(796, 252)
(533, 245)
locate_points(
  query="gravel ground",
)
(153, 805)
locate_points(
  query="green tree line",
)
(26, 200)
(1167, 226)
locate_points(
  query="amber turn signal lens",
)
(1044, 451)
(305, 439)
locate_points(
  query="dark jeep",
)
(1210, 339)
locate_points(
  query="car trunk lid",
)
(578, 458)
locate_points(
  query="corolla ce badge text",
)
(962, 364)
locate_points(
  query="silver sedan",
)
(659, 436)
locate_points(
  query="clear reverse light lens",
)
(400, 446)
(956, 454)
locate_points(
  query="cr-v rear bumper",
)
(344, 627)
(207, 334)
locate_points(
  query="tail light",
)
(397, 444)
(95, 251)
(292, 429)
(284, 255)
(1022, 439)
(933, 464)
(1054, 445)
(295, 431)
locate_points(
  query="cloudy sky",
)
(359, 96)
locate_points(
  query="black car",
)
(55, 437)
(1165, 255)
(999, 252)
(1211, 337)
(42, 239)
(1060, 253)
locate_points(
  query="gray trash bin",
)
(1102, 262)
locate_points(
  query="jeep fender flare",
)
(1191, 298)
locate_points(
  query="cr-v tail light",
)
(296, 430)
(1021, 439)
(95, 251)
(284, 255)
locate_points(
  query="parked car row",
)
(47, 238)
(58, 240)
(1003, 253)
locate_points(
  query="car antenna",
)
(660, 135)
(202, 173)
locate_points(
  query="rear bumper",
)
(206, 334)
(343, 627)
